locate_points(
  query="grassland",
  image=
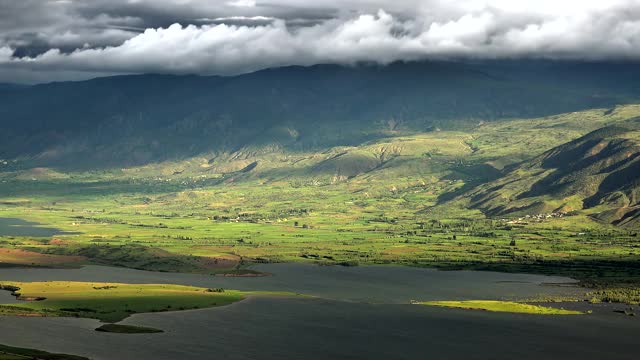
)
(501, 306)
(628, 295)
(9, 257)
(112, 302)
(381, 202)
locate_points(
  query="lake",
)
(7, 298)
(368, 317)
(377, 284)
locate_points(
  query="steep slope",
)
(598, 173)
(128, 120)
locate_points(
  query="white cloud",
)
(405, 30)
(242, 3)
(237, 18)
(5, 54)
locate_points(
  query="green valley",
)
(418, 199)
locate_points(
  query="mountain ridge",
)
(598, 172)
(137, 119)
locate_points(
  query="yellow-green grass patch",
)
(502, 306)
(112, 302)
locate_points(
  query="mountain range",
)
(136, 119)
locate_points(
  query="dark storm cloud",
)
(39, 38)
(32, 27)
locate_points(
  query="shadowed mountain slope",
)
(599, 172)
(138, 119)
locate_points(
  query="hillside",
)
(598, 173)
(139, 119)
(404, 172)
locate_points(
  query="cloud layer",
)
(88, 38)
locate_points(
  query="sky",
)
(52, 40)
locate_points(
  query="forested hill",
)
(127, 120)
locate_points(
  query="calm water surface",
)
(267, 328)
(376, 284)
(7, 298)
(367, 318)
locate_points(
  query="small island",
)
(127, 329)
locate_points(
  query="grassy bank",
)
(501, 306)
(112, 302)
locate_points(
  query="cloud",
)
(256, 35)
(239, 18)
(242, 3)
